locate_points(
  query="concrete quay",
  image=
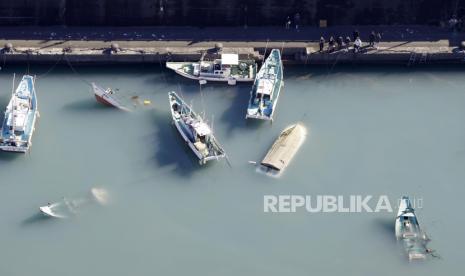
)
(416, 45)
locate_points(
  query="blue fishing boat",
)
(266, 88)
(20, 117)
(197, 134)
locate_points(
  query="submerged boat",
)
(70, 207)
(266, 88)
(408, 230)
(107, 97)
(20, 117)
(227, 69)
(194, 131)
(284, 148)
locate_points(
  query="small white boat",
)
(227, 69)
(408, 231)
(194, 131)
(107, 97)
(20, 117)
(69, 207)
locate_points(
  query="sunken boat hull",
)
(107, 97)
(408, 231)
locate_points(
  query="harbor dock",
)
(51, 45)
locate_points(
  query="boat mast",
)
(13, 103)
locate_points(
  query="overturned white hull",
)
(284, 148)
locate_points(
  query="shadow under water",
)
(171, 148)
(36, 219)
(234, 116)
(9, 156)
(87, 105)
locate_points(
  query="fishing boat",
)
(197, 134)
(283, 149)
(20, 117)
(266, 88)
(70, 207)
(408, 231)
(107, 97)
(227, 69)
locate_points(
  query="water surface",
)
(372, 131)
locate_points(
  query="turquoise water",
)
(372, 131)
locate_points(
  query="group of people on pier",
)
(341, 43)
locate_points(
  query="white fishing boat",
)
(266, 88)
(107, 97)
(227, 69)
(69, 207)
(20, 117)
(197, 134)
(408, 231)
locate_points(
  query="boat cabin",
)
(264, 90)
(201, 131)
(219, 68)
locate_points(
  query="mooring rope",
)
(76, 72)
(51, 68)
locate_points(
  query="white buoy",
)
(202, 82)
(232, 81)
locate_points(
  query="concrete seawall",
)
(406, 45)
(134, 52)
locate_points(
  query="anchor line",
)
(76, 72)
(51, 68)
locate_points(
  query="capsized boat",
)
(284, 148)
(107, 97)
(266, 88)
(408, 230)
(70, 207)
(227, 69)
(20, 117)
(194, 131)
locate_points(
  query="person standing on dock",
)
(378, 39)
(347, 42)
(357, 45)
(331, 44)
(355, 35)
(372, 39)
(322, 44)
(297, 21)
(288, 23)
(340, 42)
